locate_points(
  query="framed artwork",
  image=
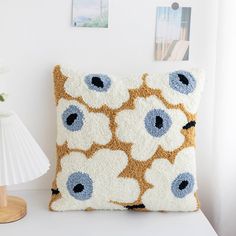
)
(172, 33)
(90, 13)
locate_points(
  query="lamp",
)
(21, 160)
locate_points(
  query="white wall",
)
(225, 117)
(35, 35)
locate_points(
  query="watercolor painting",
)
(90, 13)
(172, 34)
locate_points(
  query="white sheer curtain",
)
(225, 121)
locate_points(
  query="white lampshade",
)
(21, 158)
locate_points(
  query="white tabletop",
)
(40, 221)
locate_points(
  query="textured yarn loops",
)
(126, 142)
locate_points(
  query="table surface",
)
(40, 221)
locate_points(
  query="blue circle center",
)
(182, 81)
(98, 82)
(80, 186)
(73, 118)
(182, 185)
(157, 122)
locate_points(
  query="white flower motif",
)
(100, 89)
(174, 185)
(94, 182)
(79, 127)
(149, 125)
(180, 87)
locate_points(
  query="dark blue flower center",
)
(183, 184)
(78, 188)
(96, 81)
(71, 118)
(183, 79)
(159, 122)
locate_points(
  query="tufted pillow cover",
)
(126, 142)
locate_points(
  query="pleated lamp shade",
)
(21, 158)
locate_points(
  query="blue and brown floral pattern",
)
(149, 126)
(174, 185)
(94, 182)
(97, 89)
(126, 142)
(180, 87)
(79, 127)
